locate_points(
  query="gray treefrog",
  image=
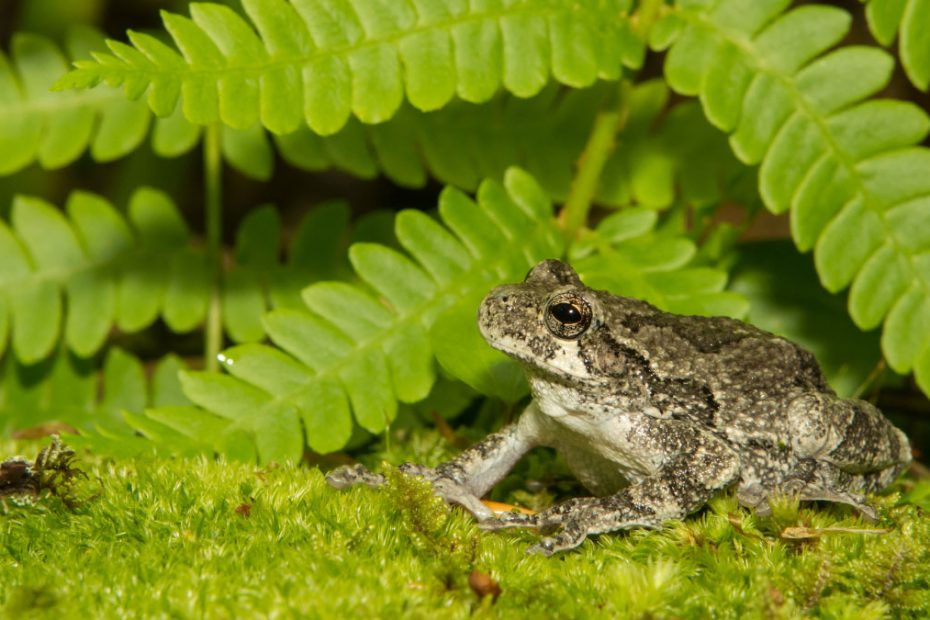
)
(656, 412)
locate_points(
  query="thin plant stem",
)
(600, 145)
(213, 170)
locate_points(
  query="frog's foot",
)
(574, 521)
(443, 486)
(856, 500)
(349, 475)
(573, 528)
(450, 490)
(573, 533)
(511, 519)
(809, 492)
(546, 521)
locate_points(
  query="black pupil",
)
(566, 313)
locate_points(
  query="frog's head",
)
(546, 322)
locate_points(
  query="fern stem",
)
(600, 145)
(213, 171)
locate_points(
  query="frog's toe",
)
(455, 493)
(510, 519)
(868, 512)
(568, 538)
(545, 547)
(349, 475)
(415, 469)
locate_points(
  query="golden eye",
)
(567, 316)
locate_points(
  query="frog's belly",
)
(604, 453)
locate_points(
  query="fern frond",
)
(906, 20)
(258, 280)
(303, 61)
(78, 274)
(105, 402)
(55, 128)
(666, 152)
(354, 351)
(847, 167)
(109, 270)
(627, 254)
(83, 392)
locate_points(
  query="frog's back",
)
(726, 354)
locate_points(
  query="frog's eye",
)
(568, 316)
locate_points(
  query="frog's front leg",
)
(700, 466)
(467, 477)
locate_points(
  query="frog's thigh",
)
(851, 434)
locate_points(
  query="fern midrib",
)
(870, 202)
(258, 68)
(440, 300)
(95, 98)
(61, 275)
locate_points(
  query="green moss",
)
(174, 538)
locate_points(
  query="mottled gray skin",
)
(656, 412)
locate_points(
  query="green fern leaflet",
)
(55, 128)
(355, 351)
(75, 276)
(317, 63)
(907, 20)
(110, 271)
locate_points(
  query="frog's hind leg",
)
(838, 451)
(816, 481)
(852, 435)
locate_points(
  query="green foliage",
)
(220, 528)
(848, 169)
(907, 20)
(667, 153)
(625, 252)
(55, 128)
(407, 148)
(303, 62)
(786, 298)
(459, 92)
(67, 389)
(104, 268)
(77, 277)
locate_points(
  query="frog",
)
(655, 413)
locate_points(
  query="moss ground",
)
(204, 539)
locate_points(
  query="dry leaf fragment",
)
(483, 585)
(500, 507)
(813, 533)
